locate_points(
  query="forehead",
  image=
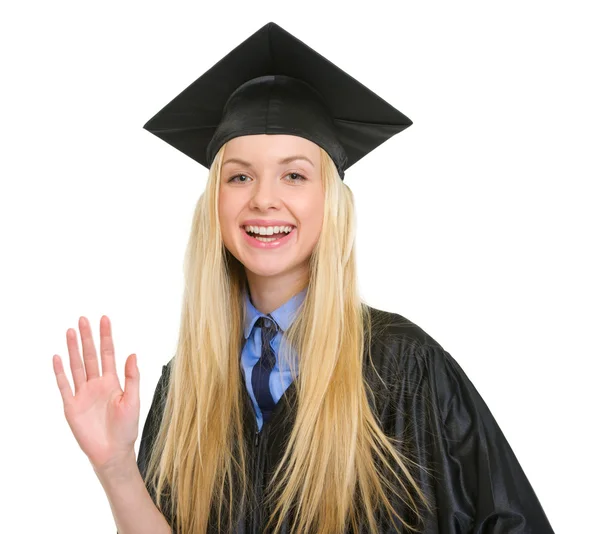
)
(263, 147)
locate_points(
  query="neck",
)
(268, 293)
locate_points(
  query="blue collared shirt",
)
(283, 316)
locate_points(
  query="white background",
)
(479, 222)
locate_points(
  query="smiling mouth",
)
(268, 238)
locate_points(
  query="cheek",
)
(226, 215)
(311, 217)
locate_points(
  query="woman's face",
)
(271, 183)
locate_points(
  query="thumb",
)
(132, 381)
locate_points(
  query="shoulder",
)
(415, 363)
(399, 334)
(166, 368)
(162, 386)
(412, 355)
(404, 350)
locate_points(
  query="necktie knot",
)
(268, 327)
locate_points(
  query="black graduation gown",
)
(476, 486)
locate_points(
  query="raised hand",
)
(103, 418)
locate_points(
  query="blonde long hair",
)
(339, 467)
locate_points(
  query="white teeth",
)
(268, 230)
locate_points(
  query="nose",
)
(265, 194)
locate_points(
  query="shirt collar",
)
(283, 316)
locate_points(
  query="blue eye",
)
(299, 178)
(237, 176)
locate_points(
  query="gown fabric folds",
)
(423, 398)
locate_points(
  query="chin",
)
(267, 270)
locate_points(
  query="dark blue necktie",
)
(262, 369)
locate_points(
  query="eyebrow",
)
(283, 161)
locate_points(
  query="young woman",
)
(290, 405)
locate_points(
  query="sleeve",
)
(483, 489)
(151, 427)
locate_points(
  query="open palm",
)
(103, 418)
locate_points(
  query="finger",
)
(90, 358)
(61, 379)
(107, 349)
(132, 381)
(77, 369)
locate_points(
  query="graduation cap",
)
(273, 83)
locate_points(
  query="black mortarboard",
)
(272, 83)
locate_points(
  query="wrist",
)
(119, 469)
